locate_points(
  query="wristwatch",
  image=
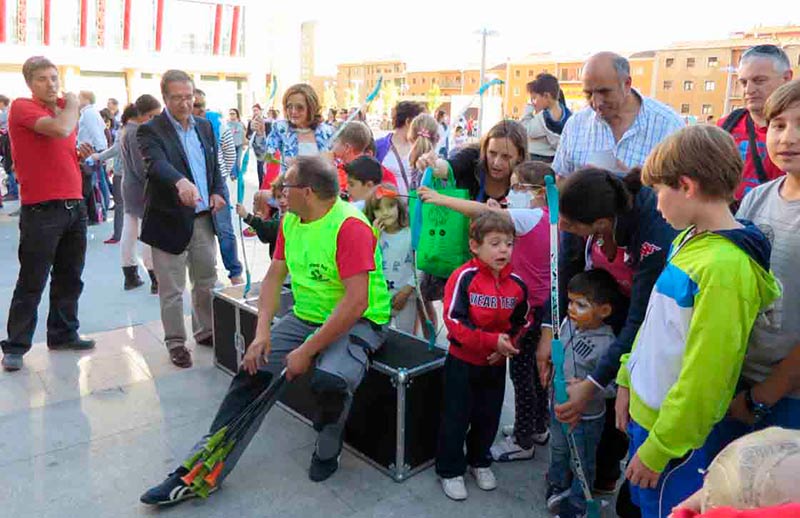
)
(759, 410)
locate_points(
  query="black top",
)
(470, 173)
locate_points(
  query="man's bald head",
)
(606, 83)
(608, 63)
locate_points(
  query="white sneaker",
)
(538, 438)
(484, 478)
(454, 488)
(507, 450)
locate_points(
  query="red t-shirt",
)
(355, 248)
(46, 167)
(749, 176)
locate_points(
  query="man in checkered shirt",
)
(620, 126)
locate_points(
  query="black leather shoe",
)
(322, 469)
(76, 345)
(207, 341)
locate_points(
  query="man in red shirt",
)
(762, 70)
(52, 217)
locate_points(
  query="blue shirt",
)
(193, 148)
(92, 129)
(283, 137)
(588, 140)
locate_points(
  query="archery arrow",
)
(482, 90)
(363, 108)
(240, 200)
(416, 229)
(557, 348)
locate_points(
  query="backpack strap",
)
(733, 119)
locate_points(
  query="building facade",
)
(354, 81)
(308, 42)
(119, 48)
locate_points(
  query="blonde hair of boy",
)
(357, 134)
(424, 133)
(782, 99)
(704, 153)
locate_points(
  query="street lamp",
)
(484, 33)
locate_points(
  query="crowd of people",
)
(674, 253)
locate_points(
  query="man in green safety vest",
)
(341, 307)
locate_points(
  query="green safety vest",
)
(310, 252)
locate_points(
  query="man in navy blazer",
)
(184, 188)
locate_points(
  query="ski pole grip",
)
(552, 198)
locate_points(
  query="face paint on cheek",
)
(579, 308)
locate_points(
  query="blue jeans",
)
(223, 225)
(587, 436)
(785, 413)
(679, 480)
(13, 187)
(238, 164)
(105, 188)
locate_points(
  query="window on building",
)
(433, 81)
(517, 73)
(685, 108)
(708, 109)
(667, 85)
(516, 91)
(638, 71)
(710, 86)
(423, 80)
(473, 80)
(689, 62)
(227, 32)
(190, 38)
(413, 80)
(65, 21)
(515, 110)
(530, 73)
(563, 74)
(712, 61)
(688, 86)
(670, 62)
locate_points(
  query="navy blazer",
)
(167, 224)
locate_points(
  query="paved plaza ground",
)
(84, 434)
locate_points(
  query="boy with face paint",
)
(586, 338)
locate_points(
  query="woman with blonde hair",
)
(423, 133)
(302, 133)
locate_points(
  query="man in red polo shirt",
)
(52, 217)
(761, 71)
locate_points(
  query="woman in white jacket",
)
(544, 117)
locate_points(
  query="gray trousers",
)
(200, 257)
(338, 371)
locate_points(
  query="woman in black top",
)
(484, 170)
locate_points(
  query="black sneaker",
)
(322, 469)
(169, 492)
(206, 342)
(554, 496)
(75, 345)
